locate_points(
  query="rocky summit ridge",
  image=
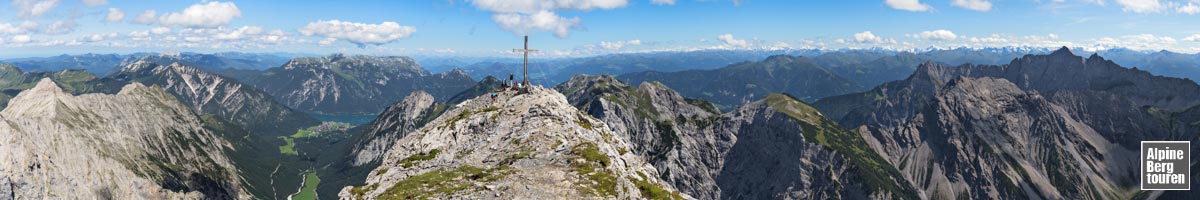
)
(517, 146)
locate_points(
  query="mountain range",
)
(1043, 126)
(863, 124)
(340, 84)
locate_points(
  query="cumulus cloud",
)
(160, 30)
(523, 17)
(909, 5)
(1190, 9)
(940, 34)
(731, 42)
(1141, 6)
(360, 34)
(147, 17)
(59, 27)
(867, 37)
(239, 33)
(977, 5)
(99, 37)
(534, 6)
(20, 39)
(206, 15)
(94, 3)
(11, 29)
(1136, 42)
(619, 44)
(33, 8)
(1192, 38)
(114, 15)
(662, 2)
(524, 24)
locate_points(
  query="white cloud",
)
(909, 5)
(1190, 9)
(139, 34)
(147, 17)
(10, 29)
(358, 33)
(731, 42)
(33, 8)
(114, 15)
(209, 15)
(239, 33)
(940, 34)
(534, 6)
(99, 37)
(867, 37)
(1135, 42)
(619, 44)
(1192, 38)
(662, 2)
(523, 17)
(977, 5)
(327, 41)
(59, 27)
(94, 3)
(20, 39)
(160, 30)
(1141, 6)
(524, 24)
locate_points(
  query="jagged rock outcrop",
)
(517, 146)
(1054, 126)
(340, 84)
(660, 125)
(773, 148)
(211, 94)
(140, 143)
(394, 123)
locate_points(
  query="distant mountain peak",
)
(47, 86)
(1064, 51)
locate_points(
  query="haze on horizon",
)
(587, 27)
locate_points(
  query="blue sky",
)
(587, 27)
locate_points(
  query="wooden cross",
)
(526, 51)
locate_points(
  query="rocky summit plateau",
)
(530, 145)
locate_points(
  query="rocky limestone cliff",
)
(660, 125)
(777, 147)
(225, 98)
(140, 143)
(394, 123)
(518, 146)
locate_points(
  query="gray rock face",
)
(394, 123)
(1046, 127)
(686, 156)
(518, 146)
(140, 143)
(341, 84)
(763, 150)
(227, 99)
